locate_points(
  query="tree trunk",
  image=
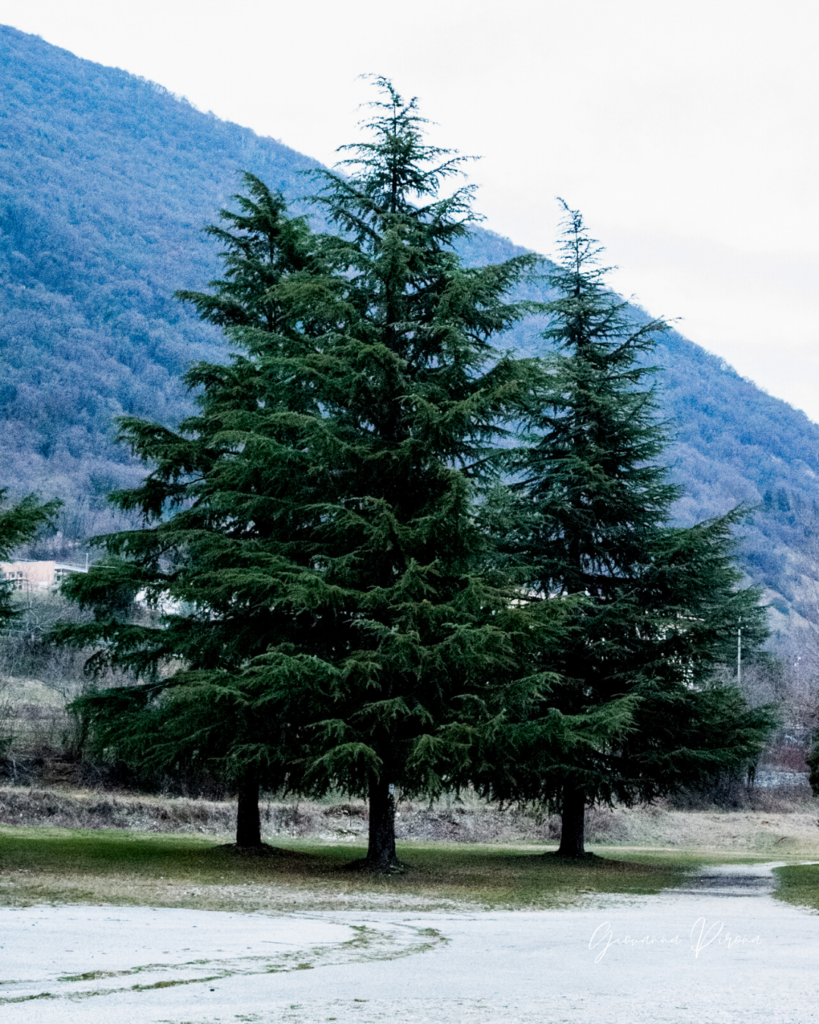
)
(248, 820)
(573, 823)
(381, 854)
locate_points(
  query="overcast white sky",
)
(685, 130)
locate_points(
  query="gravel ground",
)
(719, 950)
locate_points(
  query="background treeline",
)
(106, 181)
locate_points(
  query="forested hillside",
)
(106, 181)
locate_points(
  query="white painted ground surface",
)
(722, 950)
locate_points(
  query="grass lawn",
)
(45, 865)
(799, 884)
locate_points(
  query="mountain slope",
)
(105, 183)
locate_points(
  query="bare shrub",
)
(21, 805)
(37, 681)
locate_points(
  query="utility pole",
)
(739, 653)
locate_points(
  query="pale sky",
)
(685, 130)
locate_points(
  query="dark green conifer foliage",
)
(658, 604)
(334, 624)
(217, 559)
(414, 400)
(18, 524)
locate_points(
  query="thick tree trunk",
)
(248, 820)
(381, 854)
(573, 824)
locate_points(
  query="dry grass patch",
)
(788, 822)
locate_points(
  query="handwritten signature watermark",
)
(703, 934)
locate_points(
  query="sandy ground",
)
(719, 950)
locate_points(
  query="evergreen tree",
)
(217, 558)
(414, 400)
(18, 524)
(324, 616)
(633, 711)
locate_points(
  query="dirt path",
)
(721, 949)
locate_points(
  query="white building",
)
(27, 574)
